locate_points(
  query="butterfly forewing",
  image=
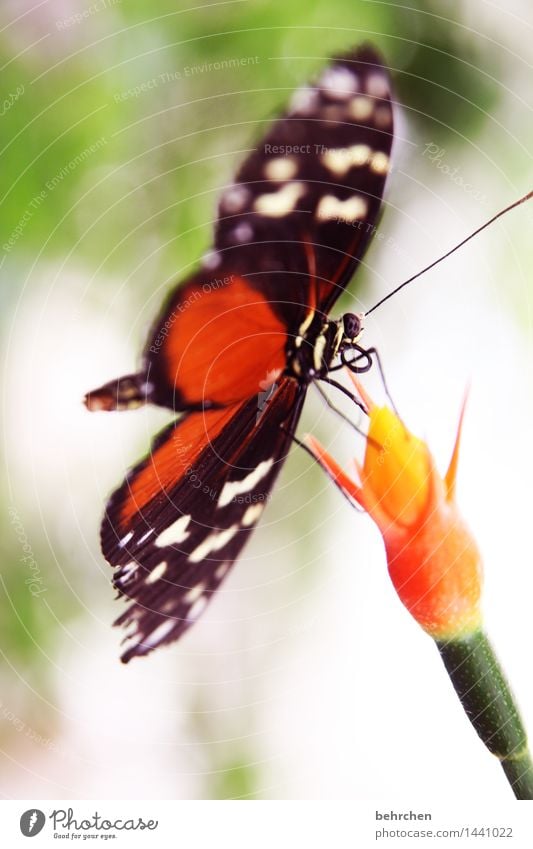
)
(219, 341)
(290, 232)
(305, 200)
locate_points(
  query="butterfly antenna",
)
(451, 251)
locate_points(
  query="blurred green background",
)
(120, 123)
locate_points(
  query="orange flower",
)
(433, 560)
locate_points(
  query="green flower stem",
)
(479, 682)
(519, 772)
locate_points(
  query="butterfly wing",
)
(290, 232)
(183, 515)
(219, 342)
(289, 235)
(304, 203)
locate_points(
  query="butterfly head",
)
(352, 325)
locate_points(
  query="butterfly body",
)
(237, 344)
(317, 344)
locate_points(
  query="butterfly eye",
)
(352, 325)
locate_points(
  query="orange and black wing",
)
(220, 342)
(290, 232)
(182, 516)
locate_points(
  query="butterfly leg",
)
(345, 391)
(307, 450)
(368, 355)
(336, 410)
(364, 354)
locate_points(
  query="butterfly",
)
(237, 344)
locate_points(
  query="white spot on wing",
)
(242, 232)
(351, 209)
(221, 570)
(361, 107)
(145, 536)
(127, 572)
(125, 540)
(377, 84)
(197, 608)
(304, 101)
(157, 572)
(281, 168)
(211, 260)
(194, 593)
(214, 542)
(159, 634)
(280, 203)
(340, 160)
(252, 515)
(224, 537)
(201, 551)
(233, 488)
(339, 83)
(379, 163)
(175, 533)
(235, 199)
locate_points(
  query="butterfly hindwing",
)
(183, 515)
